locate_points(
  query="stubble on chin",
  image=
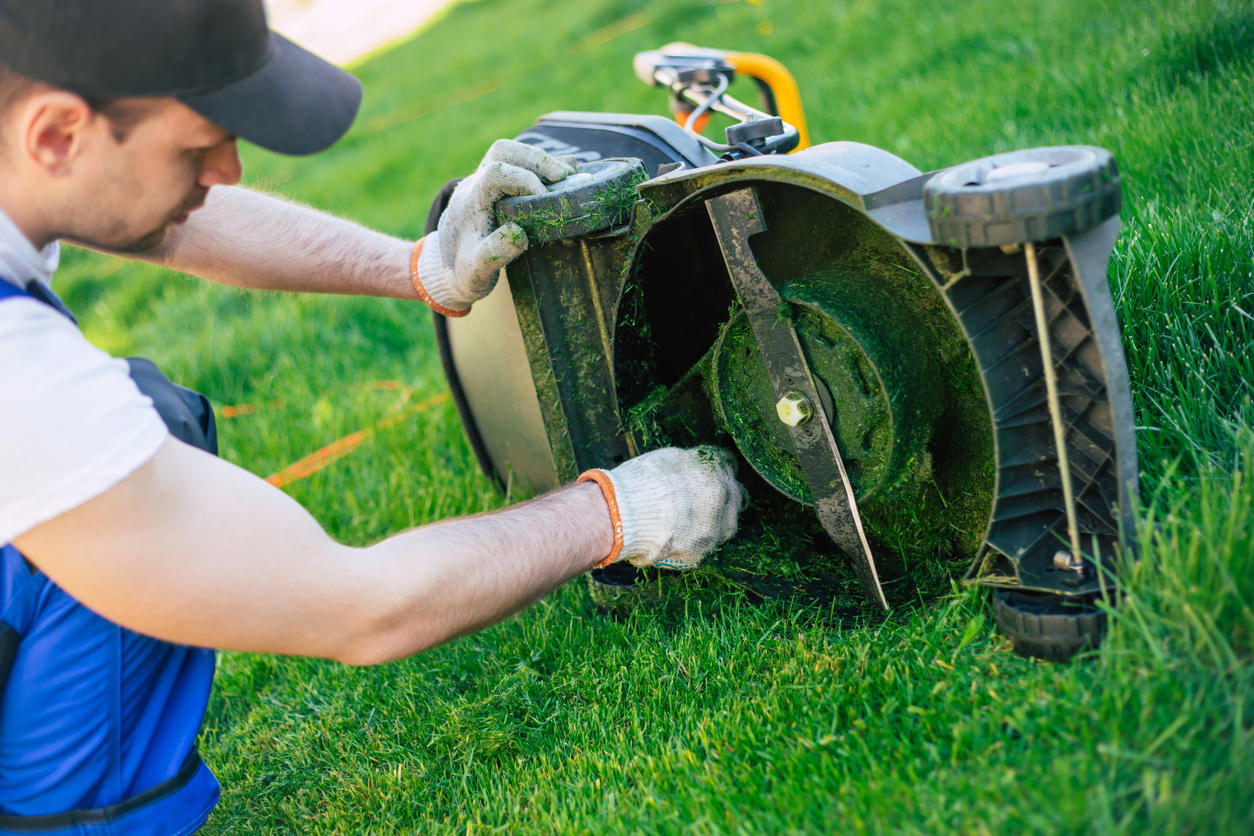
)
(149, 242)
(145, 243)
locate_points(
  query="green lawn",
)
(719, 716)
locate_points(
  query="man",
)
(131, 546)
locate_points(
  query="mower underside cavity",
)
(865, 336)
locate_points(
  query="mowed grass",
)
(716, 715)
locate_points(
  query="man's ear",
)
(53, 128)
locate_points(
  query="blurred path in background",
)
(344, 30)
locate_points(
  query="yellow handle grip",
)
(776, 76)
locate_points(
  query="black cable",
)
(704, 107)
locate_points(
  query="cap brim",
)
(296, 103)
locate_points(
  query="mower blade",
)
(736, 216)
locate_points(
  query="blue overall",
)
(98, 723)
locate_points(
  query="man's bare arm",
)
(249, 239)
(194, 550)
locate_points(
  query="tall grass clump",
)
(1175, 676)
(1183, 281)
(1186, 603)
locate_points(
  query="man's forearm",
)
(193, 550)
(489, 567)
(249, 239)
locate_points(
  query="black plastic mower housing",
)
(596, 348)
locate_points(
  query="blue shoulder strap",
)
(16, 609)
(48, 639)
(35, 290)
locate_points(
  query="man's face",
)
(130, 192)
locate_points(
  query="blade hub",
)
(852, 350)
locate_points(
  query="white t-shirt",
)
(72, 422)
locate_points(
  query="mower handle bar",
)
(707, 98)
(699, 77)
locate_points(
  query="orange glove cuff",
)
(607, 488)
(422, 291)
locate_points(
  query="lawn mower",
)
(921, 373)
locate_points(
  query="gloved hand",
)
(671, 507)
(458, 264)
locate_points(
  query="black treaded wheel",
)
(1050, 627)
(1022, 196)
(619, 588)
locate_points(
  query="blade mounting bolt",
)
(1066, 561)
(794, 409)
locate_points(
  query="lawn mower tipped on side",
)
(916, 370)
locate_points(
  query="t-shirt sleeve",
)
(72, 422)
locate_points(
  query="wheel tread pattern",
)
(966, 215)
(1047, 628)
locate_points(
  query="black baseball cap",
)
(219, 57)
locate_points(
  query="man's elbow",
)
(381, 620)
(363, 655)
(376, 640)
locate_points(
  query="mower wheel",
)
(1023, 196)
(1049, 627)
(619, 588)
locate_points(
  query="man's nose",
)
(222, 166)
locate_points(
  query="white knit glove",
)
(458, 264)
(671, 507)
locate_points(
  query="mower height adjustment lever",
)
(736, 216)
